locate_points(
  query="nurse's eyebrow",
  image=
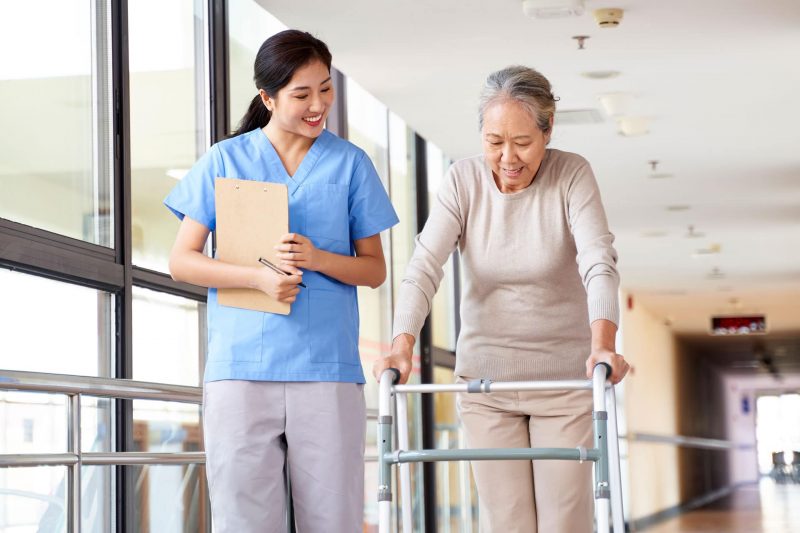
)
(304, 88)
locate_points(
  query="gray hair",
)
(523, 85)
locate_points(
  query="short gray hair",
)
(524, 85)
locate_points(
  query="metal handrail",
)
(125, 389)
(687, 442)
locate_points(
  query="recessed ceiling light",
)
(660, 175)
(634, 126)
(654, 233)
(601, 74)
(615, 104)
(678, 208)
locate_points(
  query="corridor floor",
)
(763, 508)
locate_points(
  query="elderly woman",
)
(539, 302)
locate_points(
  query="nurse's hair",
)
(525, 86)
(276, 62)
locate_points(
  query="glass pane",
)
(32, 422)
(97, 499)
(249, 25)
(166, 338)
(443, 311)
(168, 115)
(402, 167)
(170, 499)
(50, 119)
(77, 321)
(166, 427)
(367, 126)
(456, 497)
(33, 499)
(96, 424)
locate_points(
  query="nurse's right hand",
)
(399, 358)
(282, 288)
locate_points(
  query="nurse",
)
(284, 388)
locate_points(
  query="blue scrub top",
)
(335, 198)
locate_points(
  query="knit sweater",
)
(538, 267)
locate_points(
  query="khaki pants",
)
(251, 427)
(537, 496)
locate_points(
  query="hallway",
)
(763, 508)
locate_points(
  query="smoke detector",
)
(551, 9)
(609, 17)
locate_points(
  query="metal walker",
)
(604, 454)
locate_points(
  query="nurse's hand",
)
(282, 288)
(399, 358)
(298, 251)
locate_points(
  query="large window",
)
(168, 115)
(77, 322)
(249, 25)
(54, 94)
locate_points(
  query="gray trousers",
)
(251, 428)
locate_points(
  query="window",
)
(78, 322)
(55, 141)
(168, 116)
(249, 25)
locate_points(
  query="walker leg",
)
(600, 416)
(405, 468)
(384, 447)
(617, 516)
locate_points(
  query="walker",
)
(604, 454)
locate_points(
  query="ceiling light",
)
(692, 234)
(654, 233)
(550, 9)
(678, 208)
(601, 74)
(660, 176)
(609, 17)
(177, 173)
(615, 104)
(634, 126)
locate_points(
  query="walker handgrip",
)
(608, 369)
(395, 374)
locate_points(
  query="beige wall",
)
(650, 407)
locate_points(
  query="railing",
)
(74, 387)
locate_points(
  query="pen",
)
(276, 269)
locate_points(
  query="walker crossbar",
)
(604, 454)
(493, 454)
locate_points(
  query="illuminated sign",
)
(738, 325)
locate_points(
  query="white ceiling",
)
(718, 78)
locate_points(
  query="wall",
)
(650, 406)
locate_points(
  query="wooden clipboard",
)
(252, 216)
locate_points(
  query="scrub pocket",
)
(328, 212)
(333, 328)
(235, 334)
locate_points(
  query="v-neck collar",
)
(306, 165)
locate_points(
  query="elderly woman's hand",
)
(400, 358)
(619, 366)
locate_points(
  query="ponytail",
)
(256, 117)
(276, 62)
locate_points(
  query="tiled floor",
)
(763, 508)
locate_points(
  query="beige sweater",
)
(538, 268)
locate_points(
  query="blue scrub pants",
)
(251, 428)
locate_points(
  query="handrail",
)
(687, 442)
(126, 389)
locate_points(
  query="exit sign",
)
(738, 325)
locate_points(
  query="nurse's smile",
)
(313, 121)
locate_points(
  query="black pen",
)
(276, 269)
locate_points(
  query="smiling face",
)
(513, 144)
(301, 107)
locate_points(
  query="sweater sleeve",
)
(597, 258)
(424, 272)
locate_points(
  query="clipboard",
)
(252, 216)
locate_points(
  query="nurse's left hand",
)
(298, 251)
